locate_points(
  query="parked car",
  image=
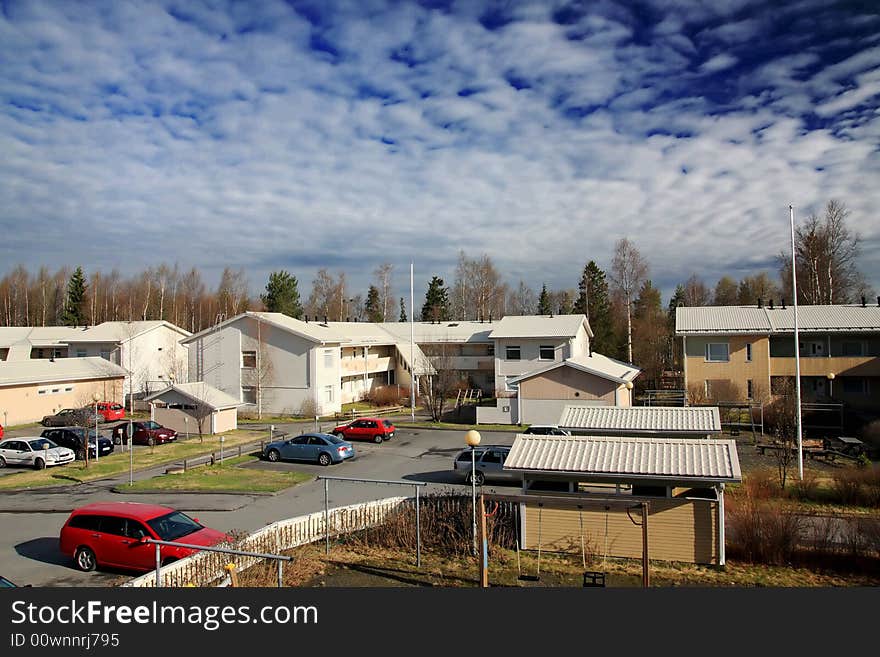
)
(546, 430)
(74, 438)
(489, 461)
(9, 584)
(114, 534)
(36, 453)
(1, 431)
(67, 417)
(321, 448)
(111, 411)
(145, 433)
(366, 428)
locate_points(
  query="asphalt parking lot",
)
(32, 520)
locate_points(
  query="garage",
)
(194, 408)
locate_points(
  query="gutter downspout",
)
(684, 362)
(721, 552)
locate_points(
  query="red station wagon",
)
(367, 428)
(111, 411)
(113, 533)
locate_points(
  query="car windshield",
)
(152, 425)
(174, 525)
(387, 423)
(38, 444)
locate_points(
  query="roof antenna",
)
(863, 302)
(783, 303)
(760, 302)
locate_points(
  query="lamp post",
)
(629, 387)
(472, 439)
(96, 397)
(797, 350)
(830, 376)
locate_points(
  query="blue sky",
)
(270, 135)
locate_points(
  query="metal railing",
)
(280, 558)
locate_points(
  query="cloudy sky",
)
(270, 135)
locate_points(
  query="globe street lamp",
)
(472, 438)
(830, 376)
(96, 397)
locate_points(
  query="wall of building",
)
(738, 369)
(569, 384)
(26, 403)
(529, 356)
(678, 530)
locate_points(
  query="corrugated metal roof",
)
(42, 370)
(121, 331)
(201, 391)
(538, 326)
(642, 419)
(751, 319)
(658, 458)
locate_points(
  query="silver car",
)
(37, 453)
(489, 464)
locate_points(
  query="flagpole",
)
(797, 350)
(412, 348)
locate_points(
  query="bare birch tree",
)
(383, 283)
(628, 271)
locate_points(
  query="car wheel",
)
(324, 459)
(2, 462)
(377, 439)
(478, 478)
(274, 455)
(39, 463)
(85, 559)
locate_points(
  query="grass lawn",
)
(118, 462)
(223, 477)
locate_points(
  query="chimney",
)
(783, 303)
(348, 319)
(307, 319)
(878, 302)
(863, 302)
(325, 319)
(490, 318)
(771, 304)
(760, 302)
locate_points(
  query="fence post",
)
(184, 465)
(158, 565)
(327, 514)
(239, 450)
(280, 572)
(418, 532)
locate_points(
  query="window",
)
(854, 385)
(328, 393)
(328, 358)
(80, 353)
(248, 358)
(749, 390)
(546, 352)
(105, 354)
(491, 349)
(513, 353)
(249, 394)
(68, 389)
(852, 348)
(717, 352)
(749, 353)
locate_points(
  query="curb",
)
(156, 491)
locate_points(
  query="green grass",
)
(226, 476)
(118, 462)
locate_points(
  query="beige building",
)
(748, 352)
(194, 408)
(31, 389)
(591, 486)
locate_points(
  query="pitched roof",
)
(751, 319)
(452, 331)
(616, 457)
(200, 392)
(122, 331)
(313, 331)
(607, 368)
(38, 336)
(540, 326)
(641, 420)
(43, 370)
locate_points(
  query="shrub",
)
(808, 487)
(847, 486)
(308, 408)
(387, 396)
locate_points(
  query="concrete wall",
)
(29, 403)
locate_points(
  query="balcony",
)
(821, 366)
(353, 366)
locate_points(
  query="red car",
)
(114, 534)
(145, 433)
(111, 411)
(366, 428)
(1, 431)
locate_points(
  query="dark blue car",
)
(316, 447)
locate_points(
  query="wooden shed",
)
(682, 479)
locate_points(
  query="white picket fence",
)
(208, 568)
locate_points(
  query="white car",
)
(37, 453)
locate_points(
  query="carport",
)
(194, 408)
(681, 479)
(665, 421)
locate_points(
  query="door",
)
(355, 430)
(370, 429)
(140, 555)
(14, 452)
(295, 448)
(112, 545)
(315, 447)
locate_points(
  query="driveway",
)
(32, 521)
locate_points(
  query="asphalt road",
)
(29, 538)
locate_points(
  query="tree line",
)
(625, 310)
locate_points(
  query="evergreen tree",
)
(596, 305)
(402, 311)
(282, 295)
(74, 307)
(373, 305)
(436, 306)
(650, 337)
(676, 301)
(544, 304)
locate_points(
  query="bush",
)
(308, 408)
(847, 486)
(388, 395)
(807, 488)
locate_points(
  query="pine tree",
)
(596, 305)
(436, 306)
(650, 342)
(676, 301)
(74, 311)
(402, 311)
(373, 305)
(544, 303)
(282, 295)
